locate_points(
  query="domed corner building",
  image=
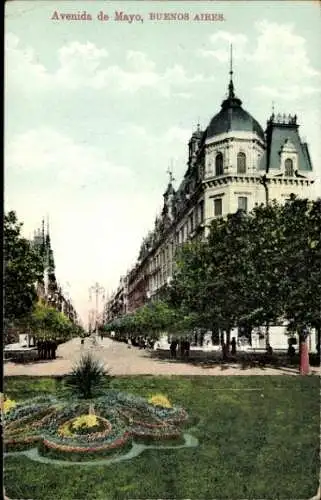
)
(241, 165)
(232, 165)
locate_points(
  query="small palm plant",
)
(87, 377)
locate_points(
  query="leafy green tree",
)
(187, 291)
(230, 271)
(149, 319)
(302, 264)
(211, 283)
(46, 321)
(158, 316)
(22, 269)
(265, 304)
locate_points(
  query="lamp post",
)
(98, 291)
(304, 352)
(263, 180)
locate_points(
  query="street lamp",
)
(98, 291)
(264, 181)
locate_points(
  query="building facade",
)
(232, 164)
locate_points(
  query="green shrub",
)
(88, 377)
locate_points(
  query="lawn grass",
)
(261, 443)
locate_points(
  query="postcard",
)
(162, 249)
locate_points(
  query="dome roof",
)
(233, 118)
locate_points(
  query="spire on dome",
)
(231, 94)
(231, 101)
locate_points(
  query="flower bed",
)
(78, 428)
(99, 430)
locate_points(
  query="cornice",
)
(256, 179)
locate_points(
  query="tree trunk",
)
(267, 334)
(228, 339)
(318, 339)
(304, 356)
(250, 335)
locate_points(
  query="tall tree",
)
(22, 269)
(230, 271)
(187, 289)
(302, 265)
(266, 233)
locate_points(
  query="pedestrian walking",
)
(233, 346)
(173, 347)
(54, 349)
(224, 351)
(187, 349)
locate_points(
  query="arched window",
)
(288, 164)
(219, 164)
(241, 163)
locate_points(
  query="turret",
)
(169, 195)
(193, 145)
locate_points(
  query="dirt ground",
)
(122, 360)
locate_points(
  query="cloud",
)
(281, 52)
(80, 64)
(22, 67)
(44, 150)
(83, 65)
(138, 61)
(279, 55)
(224, 39)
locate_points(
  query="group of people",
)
(184, 348)
(47, 349)
(226, 348)
(141, 342)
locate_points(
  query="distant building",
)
(48, 289)
(117, 304)
(233, 164)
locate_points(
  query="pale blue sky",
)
(96, 111)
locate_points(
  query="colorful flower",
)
(160, 400)
(89, 420)
(8, 405)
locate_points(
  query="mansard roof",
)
(279, 130)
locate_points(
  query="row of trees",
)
(253, 269)
(23, 269)
(152, 318)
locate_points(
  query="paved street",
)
(122, 360)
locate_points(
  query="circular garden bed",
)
(79, 429)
